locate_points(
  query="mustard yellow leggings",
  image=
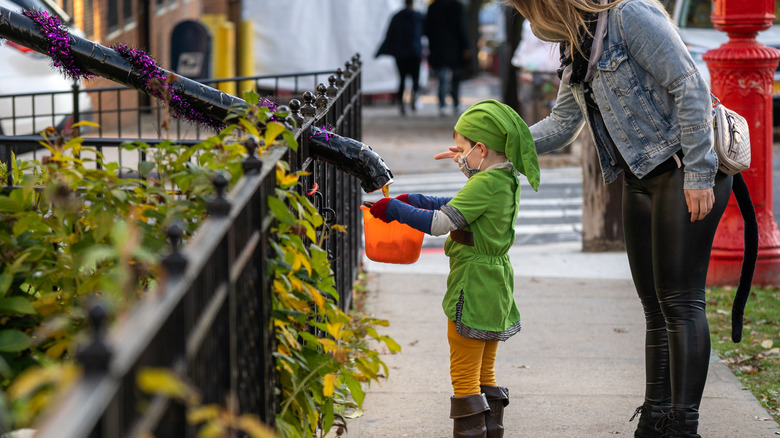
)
(472, 362)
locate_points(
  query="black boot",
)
(679, 423)
(649, 415)
(468, 416)
(497, 398)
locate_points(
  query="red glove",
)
(379, 209)
(403, 198)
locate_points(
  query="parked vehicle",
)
(695, 27)
(26, 73)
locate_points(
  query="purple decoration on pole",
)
(147, 68)
(59, 44)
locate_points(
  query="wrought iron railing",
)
(209, 319)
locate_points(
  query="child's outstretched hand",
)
(379, 209)
(452, 153)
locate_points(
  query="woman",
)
(627, 75)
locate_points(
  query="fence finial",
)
(295, 107)
(251, 164)
(340, 78)
(219, 206)
(282, 114)
(308, 109)
(322, 98)
(175, 262)
(347, 70)
(332, 90)
(96, 355)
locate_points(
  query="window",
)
(127, 11)
(113, 15)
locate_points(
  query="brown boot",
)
(497, 398)
(468, 415)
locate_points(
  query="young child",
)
(494, 144)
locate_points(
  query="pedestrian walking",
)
(403, 41)
(448, 41)
(626, 73)
(493, 143)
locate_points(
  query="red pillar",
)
(742, 77)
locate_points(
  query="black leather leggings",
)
(669, 257)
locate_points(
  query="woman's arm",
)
(563, 124)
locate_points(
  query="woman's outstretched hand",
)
(452, 153)
(699, 202)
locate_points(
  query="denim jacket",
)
(652, 99)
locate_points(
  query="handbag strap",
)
(715, 100)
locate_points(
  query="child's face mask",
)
(464, 165)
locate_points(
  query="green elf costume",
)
(480, 218)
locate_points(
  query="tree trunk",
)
(602, 216)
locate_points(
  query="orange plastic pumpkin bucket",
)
(392, 242)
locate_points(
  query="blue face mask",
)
(464, 166)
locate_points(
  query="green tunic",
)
(483, 272)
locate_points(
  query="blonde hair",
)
(562, 21)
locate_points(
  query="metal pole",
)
(108, 63)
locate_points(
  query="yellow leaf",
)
(339, 228)
(328, 344)
(296, 283)
(335, 329)
(272, 130)
(202, 413)
(32, 379)
(85, 123)
(165, 382)
(329, 383)
(252, 426)
(767, 344)
(301, 259)
(212, 429)
(58, 349)
(285, 179)
(249, 127)
(317, 297)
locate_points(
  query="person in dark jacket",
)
(445, 27)
(404, 42)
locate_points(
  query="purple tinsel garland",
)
(59, 44)
(146, 67)
(62, 57)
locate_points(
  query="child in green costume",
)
(494, 145)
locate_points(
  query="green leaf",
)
(391, 344)
(120, 195)
(355, 389)
(9, 205)
(145, 167)
(13, 341)
(15, 305)
(28, 222)
(5, 283)
(280, 211)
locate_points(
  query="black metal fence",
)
(209, 319)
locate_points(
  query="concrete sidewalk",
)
(575, 370)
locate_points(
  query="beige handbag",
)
(732, 139)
